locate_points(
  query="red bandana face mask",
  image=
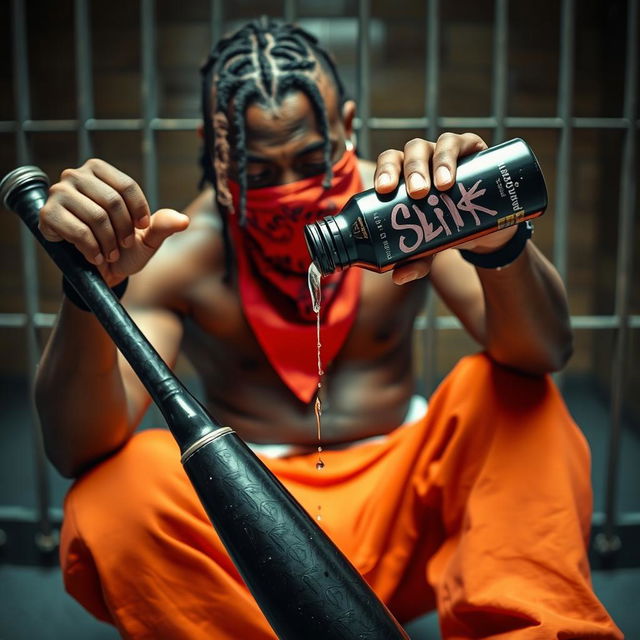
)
(271, 253)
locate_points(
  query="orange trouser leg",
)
(513, 479)
(138, 551)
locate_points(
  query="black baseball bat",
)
(303, 583)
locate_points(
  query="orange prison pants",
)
(481, 509)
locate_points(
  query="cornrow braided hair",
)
(261, 62)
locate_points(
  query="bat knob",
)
(18, 181)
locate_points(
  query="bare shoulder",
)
(183, 260)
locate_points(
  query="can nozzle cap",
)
(319, 245)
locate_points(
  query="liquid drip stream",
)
(316, 295)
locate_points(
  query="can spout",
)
(319, 245)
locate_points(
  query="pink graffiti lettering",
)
(433, 201)
(404, 210)
(403, 220)
(465, 203)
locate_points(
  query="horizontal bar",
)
(128, 124)
(17, 513)
(489, 122)
(627, 518)
(191, 124)
(19, 320)
(21, 539)
(577, 322)
(46, 320)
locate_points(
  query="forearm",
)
(80, 393)
(526, 314)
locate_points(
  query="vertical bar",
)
(565, 109)
(563, 160)
(289, 10)
(432, 65)
(84, 81)
(217, 18)
(364, 77)
(46, 537)
(149, 101)
(609, 541)
(499, 88)
(433, 68)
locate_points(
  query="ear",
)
(348, 114)
(201, 131)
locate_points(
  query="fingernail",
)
(127, 242)
(443, 175)
(407, 277)
(114, 255)
(98, 259)
(417, 182)
(384, 180)
(143, 223)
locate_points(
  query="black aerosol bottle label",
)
(494, 189)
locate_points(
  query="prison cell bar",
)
(608, 541)
(622, 322)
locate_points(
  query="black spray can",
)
(494, 189)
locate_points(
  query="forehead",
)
(292, 116)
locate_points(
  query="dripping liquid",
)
(315, 291)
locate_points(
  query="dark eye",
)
(258, 177)
(311, 167)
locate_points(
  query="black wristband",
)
(77, 300)
(506, 254)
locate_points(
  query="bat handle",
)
(24, 191)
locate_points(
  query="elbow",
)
(563, 355)
(72, 465)
(560, 351)
(553, 361)
(73, 444)
(537, 358)
(74, 453)
(64, 462)
(65, 468)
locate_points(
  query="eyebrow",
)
(310, 148)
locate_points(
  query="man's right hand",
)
(105, 215)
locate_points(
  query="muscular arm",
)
(518, 313)
(88, 398)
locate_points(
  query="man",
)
(479, 506)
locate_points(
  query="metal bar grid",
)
(563, 167)
(373, 123)
(499, 87)
(563, 162)
(149, 101)
(46, 537)
(217, 18)
(84, 78)
(364, 76)
(432, 65)
(432, 122)
(46, 321)
(289, 10)
(609, 541)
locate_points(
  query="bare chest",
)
(218, 325)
